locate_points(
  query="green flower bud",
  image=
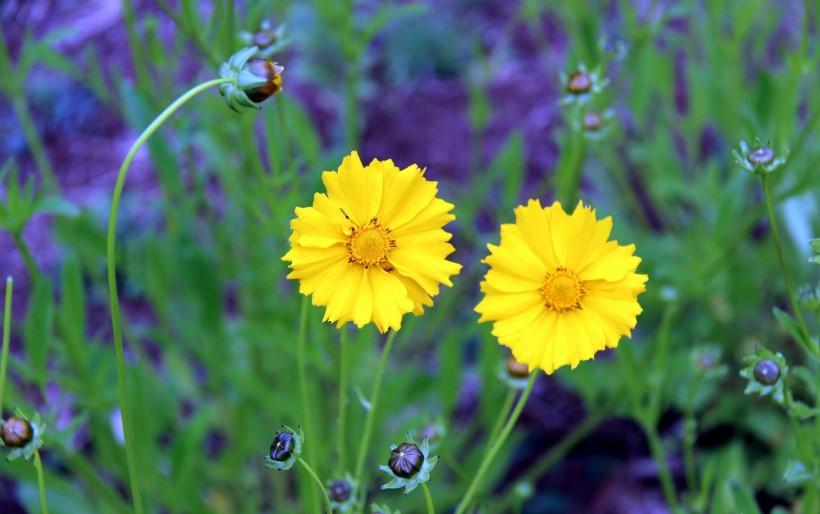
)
(285, 448)
(409, 465)
(254, 79)
(767, 372)
(759, 160)
(22, 435)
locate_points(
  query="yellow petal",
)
(390, 300)
(533, 223)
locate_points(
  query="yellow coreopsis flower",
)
(372, 249)
(557, 290)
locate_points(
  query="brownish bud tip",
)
(16, 432)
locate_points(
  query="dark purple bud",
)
(282, 447)
(406, 460)
(763, 155)
(16, 432)
(339, 491)
(767, 372)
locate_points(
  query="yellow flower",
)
(557, 290)
(372, 249)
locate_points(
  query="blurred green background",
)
(470, 89)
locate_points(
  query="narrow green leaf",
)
(37, 329)
(787, 322)
(744, 499)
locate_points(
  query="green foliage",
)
(211, 323)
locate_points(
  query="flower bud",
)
(517, 369)
(281, 449)
(593, 121)
(767, 372)
(579, 83)
(406, 460)
(253, 79)
(761, 155)
(339, 491)
(16, 432)
(285, 448)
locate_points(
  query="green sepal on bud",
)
(22, 435)
(766, 373)
(409, 465)
(254, 79)
(342, 493)
(759, 160)
(815, 245)
(285, 448)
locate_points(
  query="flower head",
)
(342, 493)
(409, 465)
(557, 290)
(21, 434)
(372, 249)
(285, 448)
(766, 372)
(759, 160)
(254, 79)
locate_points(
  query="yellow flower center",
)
(563, 290)
(369, 245)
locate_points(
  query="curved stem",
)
(465, 502)
(428, 499)
(782, 257)
(319, 483)
(41, 482)
(4, 357)
(371, 414)
(341, 432)
(112, 281)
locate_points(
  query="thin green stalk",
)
(689, 432)
(307, 416)
(341, 432)
(31, 265)
(41, 481)
(502, 417)
(4, 357)
(428, 498)
(488, 459)
(112, 281)
(568, 176)
(319, 483)
(364, 445)
(782, 257)
(659, 454)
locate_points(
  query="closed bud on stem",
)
(579, 83)
(593, 121)
(767, 372)
(253, 80)
(285, 448)
(22, 435)
(406, 460)
(760, 159)
(409, 465)
(516, 369)
(16, 432)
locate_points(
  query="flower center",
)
(563, 290)
(369, 244)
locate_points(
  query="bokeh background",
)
(471, 89)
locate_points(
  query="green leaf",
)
(787, 322)
(803, 411)
(796, 472)
(744, 499)
(56, 206)
(37, 329)
(815, 244)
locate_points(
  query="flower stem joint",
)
(285, 448)
(409, 465)
(21, 435)
(253, 79)
(759, 160)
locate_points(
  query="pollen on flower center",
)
(562, 290)
(370, 244)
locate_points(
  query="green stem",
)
(112, 281)
(41, 481)
(31, 265)
(428, 498)
(689, 433)
(364, 445)
(307, 416)
(502, 416)
(488, 459)
(4, 357)
(341, 433)
(319, 483)
(782, 257)
(659, 454)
